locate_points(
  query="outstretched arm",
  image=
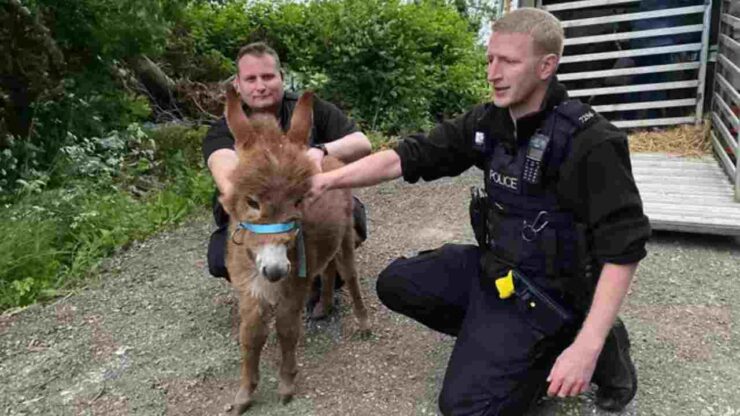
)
(371, 170)
(350, 147)
(347, 149)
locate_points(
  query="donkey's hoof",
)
(363, 326)
(242, 401)
(240, 408)
(286, 398)
(286, 389)
(364, 333)
(320, 312)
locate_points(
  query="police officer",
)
(534, 304)
(259, 81)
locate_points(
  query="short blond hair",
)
(544, 28)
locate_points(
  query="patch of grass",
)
(53, 239)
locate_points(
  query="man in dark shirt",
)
(562, 207)
(259, 81)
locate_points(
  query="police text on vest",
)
(510, 182)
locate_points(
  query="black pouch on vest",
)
(546, 313)
(478, 212)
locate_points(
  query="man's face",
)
(259, 82)
(512, 69)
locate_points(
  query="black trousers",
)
(500, 360)
(217, 243)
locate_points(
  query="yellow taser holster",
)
(505, 285)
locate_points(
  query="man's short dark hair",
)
(258, 49)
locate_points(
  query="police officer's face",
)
(259, 82)
(515, 72)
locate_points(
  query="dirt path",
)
(156, 335)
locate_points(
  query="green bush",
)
(53, 238)
(174, 139)
(94, 34)
(394, 65)
(88, 96)
(206, 40)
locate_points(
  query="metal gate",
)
(641, 63)
(726, 96)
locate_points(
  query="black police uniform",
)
(504, 349)
(329, 124)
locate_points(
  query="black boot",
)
(615, 373)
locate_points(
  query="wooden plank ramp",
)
(686, 194)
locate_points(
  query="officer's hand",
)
(319, 184)
(315, 156)
(571, 374)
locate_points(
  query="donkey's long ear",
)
(237, 121)
(302, 120)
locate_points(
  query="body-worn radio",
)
(533, 160)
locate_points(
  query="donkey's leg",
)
(345, 264)
(323, 307)
(288, 324)
(252, 335)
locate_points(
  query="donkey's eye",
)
(253, 204)
(298, 202)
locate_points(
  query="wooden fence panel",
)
(641, 62)
(726, 94)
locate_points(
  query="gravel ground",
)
(154, 335)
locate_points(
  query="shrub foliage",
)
(394, 65)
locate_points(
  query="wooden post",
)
(737, 168)
(701, 88)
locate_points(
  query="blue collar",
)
(279, 228)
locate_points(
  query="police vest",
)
(526, 226)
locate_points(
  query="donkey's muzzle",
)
(274, 272)
(272, 261)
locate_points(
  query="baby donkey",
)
(277, 244)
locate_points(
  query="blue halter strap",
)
(280, 228)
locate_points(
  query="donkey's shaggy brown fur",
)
(270, 181)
